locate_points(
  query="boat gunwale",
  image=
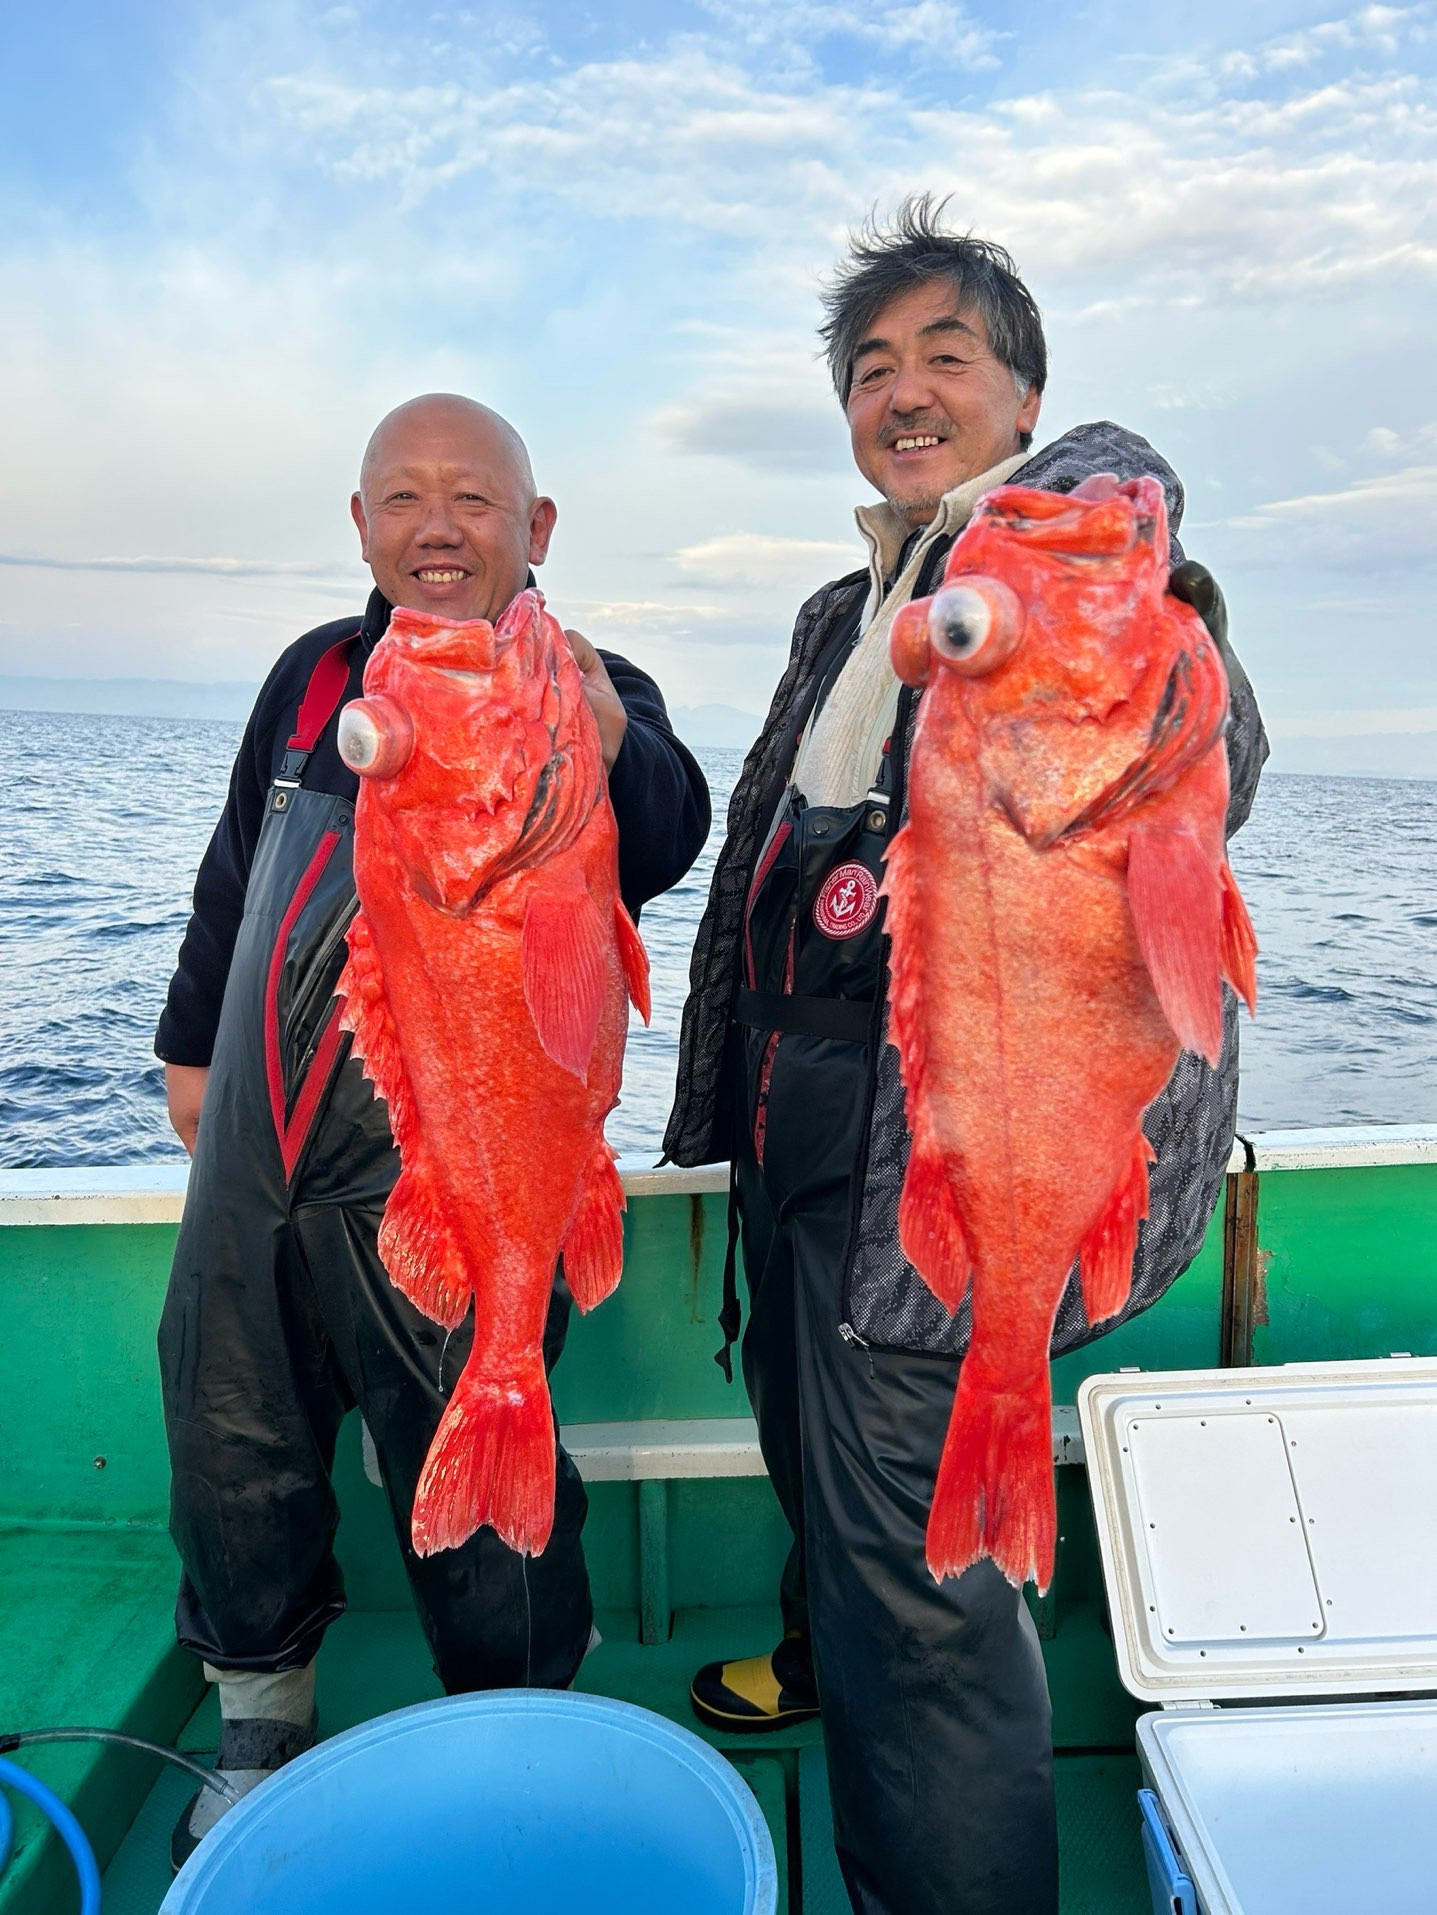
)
(155, 1193)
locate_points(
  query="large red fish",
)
(489, 966)
(1061, 913)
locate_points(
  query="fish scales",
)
(490, 966)
(1061, 915)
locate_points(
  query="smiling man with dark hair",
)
(933, 1698)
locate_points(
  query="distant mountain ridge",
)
(706, 725)
(128, 697)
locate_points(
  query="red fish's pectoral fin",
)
(594, 1248)
(1239, 942)
(1106, 1257)
(994, 1495)
(563, 945)
(491, 1461)
(930, 1227)
(635, 959)
(1176, 901)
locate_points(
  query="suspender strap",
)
(325, 689)
(843, 1017)
(731, 1315)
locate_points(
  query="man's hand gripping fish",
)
(489, 967)
(1062, 914)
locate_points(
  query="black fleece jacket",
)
(658, 793)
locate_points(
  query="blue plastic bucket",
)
(530, 1800)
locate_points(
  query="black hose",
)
(17, 1738)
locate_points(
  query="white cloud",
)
(759, 558)
(623, 249)
(1377, 723)
(1383, 443)
(1376, 28)
(611, 619)
(1389, 519)
(214, 567)
(1175, 195)
(766, 433)
(942, 30)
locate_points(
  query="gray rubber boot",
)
(265, 1721)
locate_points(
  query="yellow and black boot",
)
(759, 1692)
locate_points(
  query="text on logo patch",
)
(847, 902)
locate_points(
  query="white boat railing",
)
(155, 1193)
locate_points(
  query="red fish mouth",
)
(1099, 519)
(466, 646)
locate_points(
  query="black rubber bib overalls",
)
(280, 1317)
(935, 1706)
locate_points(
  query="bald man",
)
(280, 1317)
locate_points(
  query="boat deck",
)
(1326, 1247)
(377, 1661)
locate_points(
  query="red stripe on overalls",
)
(326, 687)
(292, 1134)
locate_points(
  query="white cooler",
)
(1269, 1543)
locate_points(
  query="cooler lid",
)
(1268, 1532)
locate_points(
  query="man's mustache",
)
(938, 424)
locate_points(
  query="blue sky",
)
(235, 235)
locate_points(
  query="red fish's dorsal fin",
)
(419, 1250)
(1239, 942)
(1176, 900)
(593, 1251)
(564, 947)
(492, 1460)
(1106, 1257)
(930, 1225)
(635, 959)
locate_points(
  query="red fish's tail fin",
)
(994, 1495)
(491, 1461)
(594, 1248)
(1239, 942)
(1106, 1257)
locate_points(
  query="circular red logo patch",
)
(847, 902)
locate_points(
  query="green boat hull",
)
(1326, 1247)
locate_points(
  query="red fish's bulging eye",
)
(974, 625)
(376, 737)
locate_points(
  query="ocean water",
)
(103, 820)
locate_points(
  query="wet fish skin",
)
(489, 972)
(1061, 914)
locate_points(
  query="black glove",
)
(1195, 585)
